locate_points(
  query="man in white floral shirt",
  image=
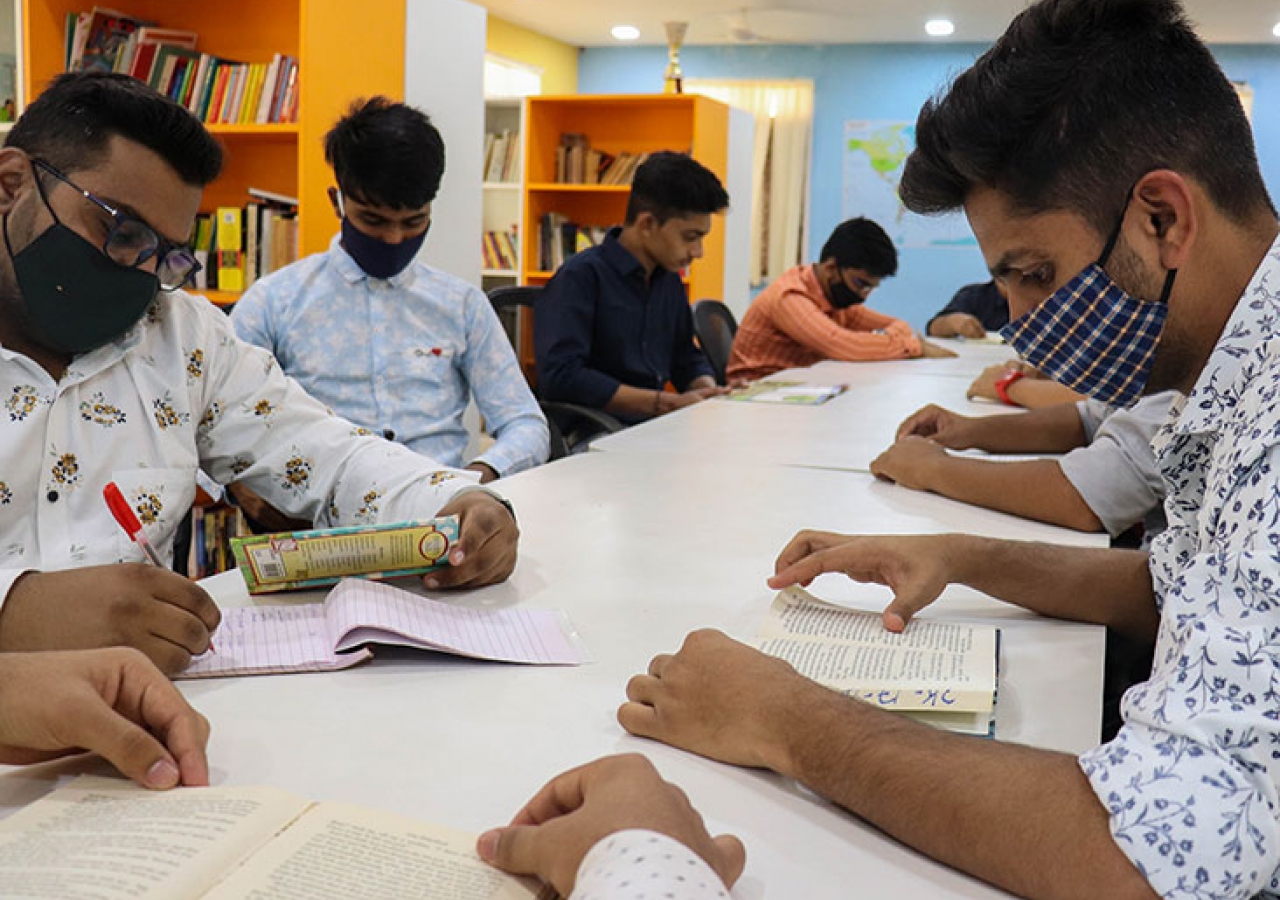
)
(109, 372)
(1108, 172)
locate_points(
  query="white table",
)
(638, 550)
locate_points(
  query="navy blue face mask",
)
(378, 258)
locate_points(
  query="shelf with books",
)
(218, 298)
(501, 193)
(617, 127)
(341, 54)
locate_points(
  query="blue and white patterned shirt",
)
(399, 356)
(1191, 780)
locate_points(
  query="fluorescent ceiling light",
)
(940, 27)
(1276, 30)
(625, 32)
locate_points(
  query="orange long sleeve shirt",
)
(792, 324)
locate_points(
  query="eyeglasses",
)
(131, 242)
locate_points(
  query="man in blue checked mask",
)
(1097, 149)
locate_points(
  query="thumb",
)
(732, 858)
(512, 849)
(128, 747)
(907, 601)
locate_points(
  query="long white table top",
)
(638, 550)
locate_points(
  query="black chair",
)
(715, 327)
(570, 425)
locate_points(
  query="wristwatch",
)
(1003, 382)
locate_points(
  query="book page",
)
(343, 851)
(262, 640)
(930, 666)
(361, 611)
(108, 839)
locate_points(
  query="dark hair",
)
(1074, 104)
(861, 244)
(386, 153)
(70, 124)
(674, 185)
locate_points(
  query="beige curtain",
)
(783, 113)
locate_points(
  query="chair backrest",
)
(518, 295)
(715, 326)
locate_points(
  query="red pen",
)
(128, 520)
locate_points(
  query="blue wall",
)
(888, 81)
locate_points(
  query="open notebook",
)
(322, 637)
(941, 673)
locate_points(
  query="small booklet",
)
(108, 839)
(794, 393)
(323, 637)
(941, 673)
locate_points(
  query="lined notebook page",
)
(322, 637)
(361, 611)
(265, 640)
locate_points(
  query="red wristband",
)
(1003, 382)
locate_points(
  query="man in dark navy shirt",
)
(614, 325)
(972, 312)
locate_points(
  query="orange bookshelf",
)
(342, 54)
(614, 124)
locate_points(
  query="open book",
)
(941, 673)
(323, 637)
(108, 839)
(792, 393)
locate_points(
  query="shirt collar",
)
(620, 258)
(351, 272)
(1252, 324)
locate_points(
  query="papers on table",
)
(795, 393)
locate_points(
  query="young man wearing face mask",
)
(382, 338)
(111, 373)
(1108, 171)
(614, 324)
(816, 312)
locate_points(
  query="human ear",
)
(15, 174)
(1167, 203)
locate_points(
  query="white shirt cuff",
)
(645, 865)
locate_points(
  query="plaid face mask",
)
(1092, 335)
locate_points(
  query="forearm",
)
(1034, 489)
(1051, 429)
(1034, 393)
(1083, 584)
(636, 403)
(1024, 819)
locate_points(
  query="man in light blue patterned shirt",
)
(1108, 171)
(384, 340)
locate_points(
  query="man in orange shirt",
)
(816, 312)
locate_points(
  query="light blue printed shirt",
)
(1191, 781)
(399, 356)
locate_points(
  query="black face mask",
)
(76, 298)
(843, 296)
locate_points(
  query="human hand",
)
(957, 324)
(930, 350)
(939, 425)
(166, 616)
(485, 552)
(113, 702)
(573, 812)
(719, 698)
(669, 402)
(984, 385)
(916, 568)
(910, 462)
(486, 472)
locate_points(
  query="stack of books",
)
(578, 163)
(502, 157)
(214, 90)
(559, 239)
(212, 529)
(500, 250)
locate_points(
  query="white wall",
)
(444, 77)
(737, 224)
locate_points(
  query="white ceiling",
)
(586, 23)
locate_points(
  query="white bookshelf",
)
(502, 209)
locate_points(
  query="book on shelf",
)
(212, 529)
(940, 673)
(263, 234)
(234, 843)
(559, 239)
(577, 162)
(502, 157)
(500, 250)
(214, 90)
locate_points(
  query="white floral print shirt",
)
(645, 865)
(178, 392)
(1191, 780)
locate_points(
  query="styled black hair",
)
(386, 153)
(674, 185)
(1074, 104)
(71, 122)
(861, 244)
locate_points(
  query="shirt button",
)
(52, 496)
(389, 434)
